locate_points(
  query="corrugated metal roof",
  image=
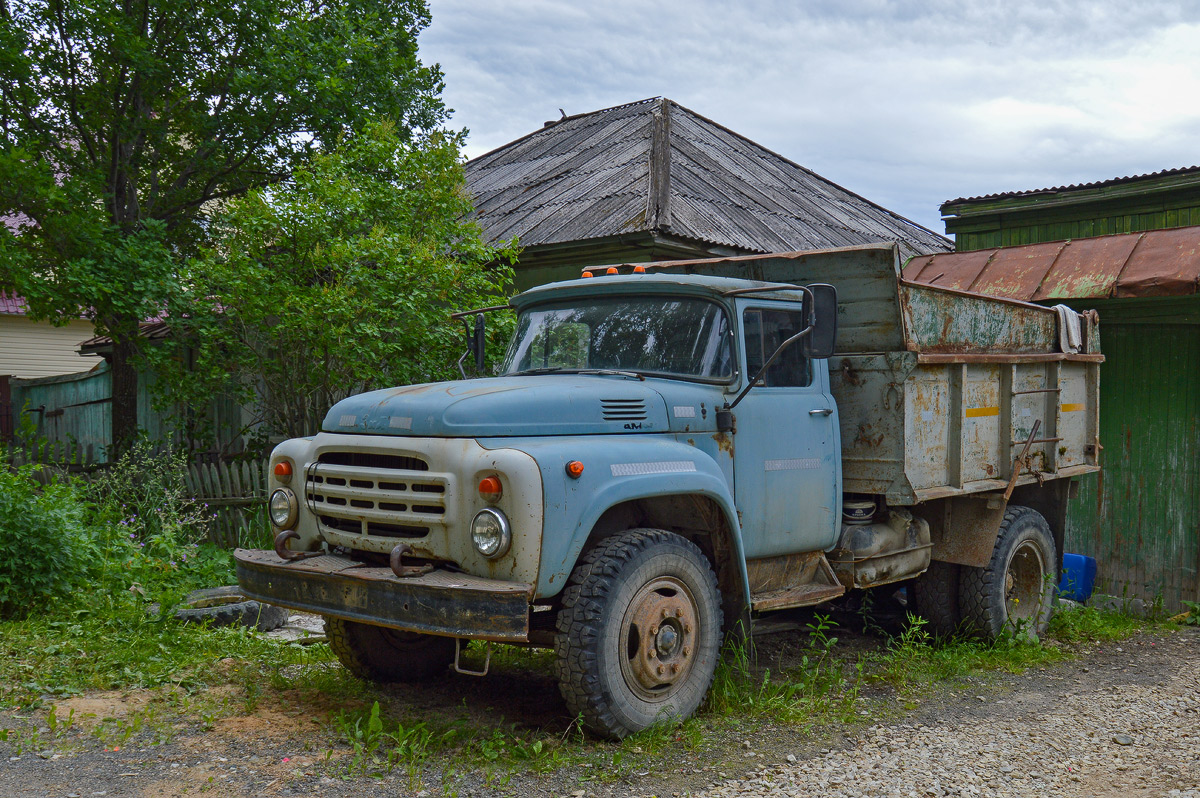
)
(1153, 263)
(1114, 181)
(591, 176)
(11, 304)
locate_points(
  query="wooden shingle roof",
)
(655, 166)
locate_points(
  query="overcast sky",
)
(906, 103)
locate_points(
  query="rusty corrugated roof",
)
(596, 175)
(1114, 181)
(1153, 263)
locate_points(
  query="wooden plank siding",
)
(1012, 233)
(1140, 518)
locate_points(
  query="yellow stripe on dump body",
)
(1071, 408)
(976, 412)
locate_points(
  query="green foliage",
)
(124, 124)
(375, 751)
(340, 281)
(44, 547)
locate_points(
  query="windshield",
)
(670, 336)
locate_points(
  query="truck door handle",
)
(824, 411)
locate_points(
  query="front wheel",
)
(379, 654)
(639, 632)
(1014, 592)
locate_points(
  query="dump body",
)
(938, 391)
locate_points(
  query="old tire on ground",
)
(935, 596)
(379, 654)
(639, 632)
(226, 606)
(1013, 594)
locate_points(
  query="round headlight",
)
(490, 533)
(283, 508)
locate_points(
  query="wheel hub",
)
(1023, 582)
(660, 633)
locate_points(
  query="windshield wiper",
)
(560, 370)
(613, 372)
(543, 370)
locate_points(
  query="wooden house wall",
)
(1140, 517)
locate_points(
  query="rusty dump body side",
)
(939, 391)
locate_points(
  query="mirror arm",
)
(467, 351)
(767, 365)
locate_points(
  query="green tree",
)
(123, 124)
(340, 280)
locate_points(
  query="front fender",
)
(617, 469)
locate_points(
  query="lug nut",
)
(660, 670)
(686, 651)
(653, 653)
(687, 627)
(679, 612)
(674, 669)
(653, 630)
(666, 613)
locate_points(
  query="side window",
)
(765, 330)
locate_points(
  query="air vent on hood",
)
(623, 409)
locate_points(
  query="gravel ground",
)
(1122, 721)
(1133, 730)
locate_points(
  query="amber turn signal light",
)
(639, 269)
(611, 270)
(588, 274)
(490, 488)
(574, 469)
(283, 470)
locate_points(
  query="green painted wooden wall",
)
(1140, 517)
(1014, 233)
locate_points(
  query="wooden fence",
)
(233, 496)
(236, 495)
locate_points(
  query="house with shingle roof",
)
(652, 180)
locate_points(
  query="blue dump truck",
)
(672, 451)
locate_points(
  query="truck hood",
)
(505, 406)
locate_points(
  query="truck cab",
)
(658, 460)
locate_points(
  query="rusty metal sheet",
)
(1012, 271)
(954, 270)
(1087, 268)
(1164, 263)
(1153, 263)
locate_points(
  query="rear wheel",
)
(638, 633)
(935, 594)
(379, 654)
(1013, 594)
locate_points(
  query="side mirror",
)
(476, 342)
(822, 313)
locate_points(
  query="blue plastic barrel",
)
(1078, 577)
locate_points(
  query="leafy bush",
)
(44, 549)
(149, 534)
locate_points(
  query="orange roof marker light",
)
(588, 274)
(611, 270)
(639, 269)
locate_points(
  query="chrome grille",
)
(376, 494)
(623, 409)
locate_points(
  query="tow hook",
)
(405, 571)
(287, 554)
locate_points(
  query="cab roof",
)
(619, 284)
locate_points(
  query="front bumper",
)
(440, 602)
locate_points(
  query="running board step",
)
(791, 580)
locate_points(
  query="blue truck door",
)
(787, 478)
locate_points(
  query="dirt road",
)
(1122, 720)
